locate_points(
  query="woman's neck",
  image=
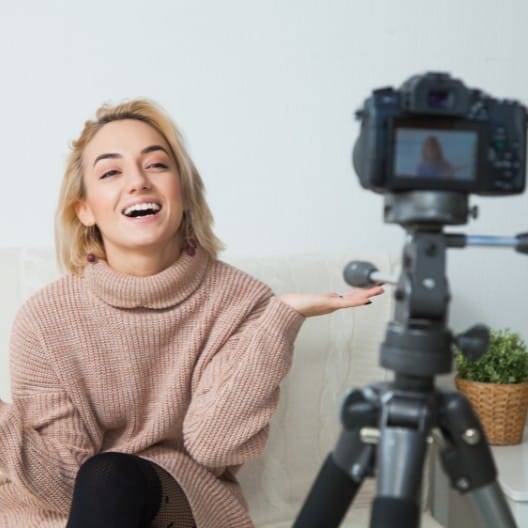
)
(144, 262)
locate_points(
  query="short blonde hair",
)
(74, 241)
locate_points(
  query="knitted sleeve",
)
(228, 419)
(43, 440)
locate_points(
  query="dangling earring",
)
(90, 236)
(190, 247)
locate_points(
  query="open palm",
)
(312, 304)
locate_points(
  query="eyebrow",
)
(113, 155)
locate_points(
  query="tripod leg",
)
(337, 483)
(401, 455)
(491, 504)
(468, 462)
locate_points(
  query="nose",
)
(137, 180)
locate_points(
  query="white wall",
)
(265, 93)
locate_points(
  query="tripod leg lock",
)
(466, 456)
(359, 409)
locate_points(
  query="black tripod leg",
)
(493, 509)
(468, 462)
(337, 483)
(401, 455)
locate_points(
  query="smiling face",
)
(133, 193)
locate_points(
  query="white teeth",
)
(142, 207)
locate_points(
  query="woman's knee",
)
(112, 469)
(113, 486)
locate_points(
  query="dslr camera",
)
(436, 134)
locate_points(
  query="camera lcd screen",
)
(435, 154)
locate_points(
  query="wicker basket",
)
(500, 407)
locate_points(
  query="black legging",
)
(115, 490)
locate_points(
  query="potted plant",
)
(497, 386)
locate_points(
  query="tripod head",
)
(418, 344)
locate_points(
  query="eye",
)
(107, 174)
(158, 165)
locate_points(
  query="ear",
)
(84, 213)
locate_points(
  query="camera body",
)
(436, 134)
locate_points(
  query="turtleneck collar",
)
(162, 290)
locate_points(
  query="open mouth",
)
(142, 210)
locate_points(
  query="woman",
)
(145, 377)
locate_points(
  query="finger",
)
(367, 292)
(364, 293)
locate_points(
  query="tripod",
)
(386, 426)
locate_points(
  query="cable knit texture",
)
(181, 368)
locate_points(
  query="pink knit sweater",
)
(181, 368)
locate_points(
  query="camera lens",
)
(439, 99)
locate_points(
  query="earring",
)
(90, 236)
(190, 247)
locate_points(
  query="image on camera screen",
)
(437, 154)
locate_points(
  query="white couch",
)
(332, 353)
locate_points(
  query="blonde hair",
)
(74, 241)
